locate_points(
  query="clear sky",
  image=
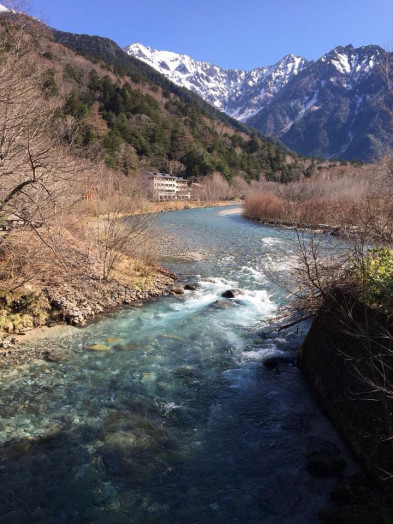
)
(239, 34)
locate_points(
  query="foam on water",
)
(255, 273)
(272, 241)
(259, 355)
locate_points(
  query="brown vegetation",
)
(344, 198)
(67, 248)
(348, 286)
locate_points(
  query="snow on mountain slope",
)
(237, 93)
(326, 107)
(335, 106)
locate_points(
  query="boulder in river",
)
(272, 362)
(177, 290)
(220, 304)
(231, 293)
(190, 287)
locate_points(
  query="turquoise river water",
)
(179, 421)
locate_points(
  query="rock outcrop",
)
(341, 358)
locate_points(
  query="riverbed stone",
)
(114, 340)
(191, 287)
(171, 337)
(128, 346)
(220, 304)
(98, 347)
(273, 362)
(177, 290)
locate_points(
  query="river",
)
(175, 419)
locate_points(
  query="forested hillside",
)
(135, 117)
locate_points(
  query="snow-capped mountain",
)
(240, 94)
(335, 107)
(328, 107)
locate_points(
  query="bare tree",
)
(37, 169)
(118, 223)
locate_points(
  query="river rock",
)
(190, 287)
(8, 328)
(231, 293)
(177, 290)
(184, 372)
(272, 362)
(129, 346)
(8, 343)
(220, 304)
(56, 355)
(114, 340)
(98, 347)
(325, 461)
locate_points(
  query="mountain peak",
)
(239, 93)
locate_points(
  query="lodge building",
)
(164, 186)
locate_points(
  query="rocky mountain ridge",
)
(331, 107)
(239, 93)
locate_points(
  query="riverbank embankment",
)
(30, 311)
(177, 205)
(347, 360)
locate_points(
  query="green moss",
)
(23, 310)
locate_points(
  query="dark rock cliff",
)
(347, 358)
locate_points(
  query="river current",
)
(175, 419)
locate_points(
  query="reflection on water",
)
(165, 413)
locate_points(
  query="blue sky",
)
(239, 34)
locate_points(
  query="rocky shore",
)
(71, 303)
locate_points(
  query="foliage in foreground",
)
(374, 274)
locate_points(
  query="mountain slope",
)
(328, 108)
(138, 119)
(100, 48)
(335, 107)
(237, 93)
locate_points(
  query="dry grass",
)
(344, 198)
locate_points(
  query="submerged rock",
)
(130, 346)
(172, 337)
(57, 355)
(98, 347)
(114, 340)
(272, 362)
(220, 304)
